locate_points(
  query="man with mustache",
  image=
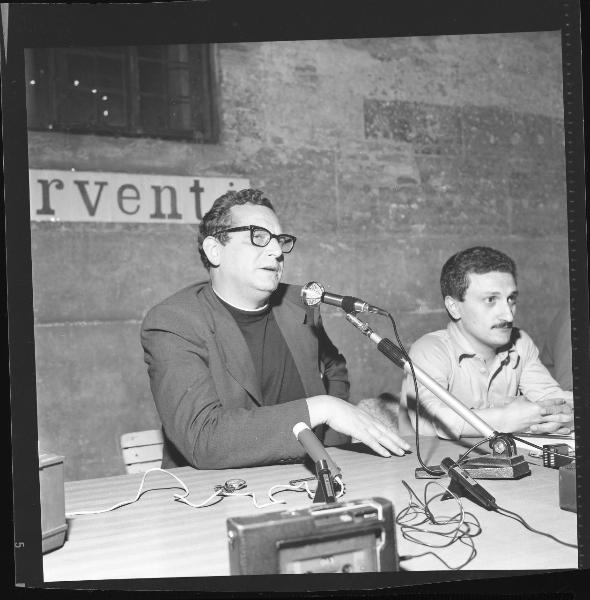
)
(237, 361)
(482, 359)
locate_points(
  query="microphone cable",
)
(417, 519)
(536, 446)
(463, 456)
(433, 472)
(512, 515)
(220, 492)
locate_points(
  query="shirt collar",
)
(463, 349)
(255, 311)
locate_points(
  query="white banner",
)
(124, 197)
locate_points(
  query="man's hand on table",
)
(551, 415)
(355, 422)
(556, 415)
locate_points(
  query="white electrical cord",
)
(220, 492)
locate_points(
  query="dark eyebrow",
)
(495, 293)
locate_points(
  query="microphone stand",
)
(503, 463)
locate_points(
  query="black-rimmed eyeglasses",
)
(259, 236)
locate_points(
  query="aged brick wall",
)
(383, 156)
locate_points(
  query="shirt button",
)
(482, 370)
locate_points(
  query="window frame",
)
(43, 107)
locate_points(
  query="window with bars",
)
(152, 91)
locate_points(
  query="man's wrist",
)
(319, 409)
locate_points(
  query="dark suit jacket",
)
(204, 383)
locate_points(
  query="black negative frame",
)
(52, 25)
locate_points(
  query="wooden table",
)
(159, 537)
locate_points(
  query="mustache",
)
(503, 325)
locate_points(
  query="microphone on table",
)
(314, 447)
(462, 481)
(326, 468)
(313, 293)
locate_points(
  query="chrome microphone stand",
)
(503, 463)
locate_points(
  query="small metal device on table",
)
(567, 487)
(51, 490)
(340, 537)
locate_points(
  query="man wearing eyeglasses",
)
(236, 362)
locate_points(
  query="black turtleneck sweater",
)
(277, 374)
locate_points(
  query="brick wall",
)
(383, 156)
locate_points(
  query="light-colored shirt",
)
(448, 358)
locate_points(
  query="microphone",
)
(462, 479)
(313, 293)
(314, 447)
(503, 463)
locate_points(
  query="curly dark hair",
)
(219, 216)
(479, 259)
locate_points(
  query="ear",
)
(452, 306)
(212, 248)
